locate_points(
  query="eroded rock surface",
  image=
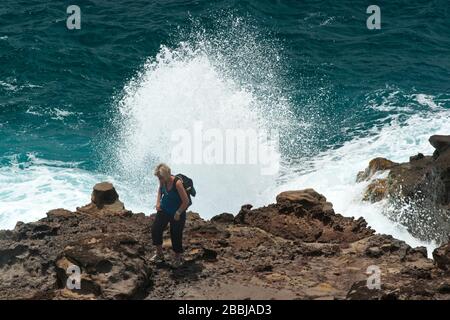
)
(418, 191)
(297, 248)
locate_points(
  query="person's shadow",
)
(189, 270)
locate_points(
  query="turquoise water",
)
(79, 106)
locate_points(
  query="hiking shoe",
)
(178, 262)
(157, 258)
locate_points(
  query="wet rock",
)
(376, 190)
(418, 191)
(375, 165)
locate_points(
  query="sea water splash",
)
(214, 80)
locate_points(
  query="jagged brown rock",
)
(442, 257)
(375, 165)
(376, 190)
(305, 215)
(441, 143)
(418, 191)
(298, 248)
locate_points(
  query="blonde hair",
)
(162, 170)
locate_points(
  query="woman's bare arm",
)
(158, 199)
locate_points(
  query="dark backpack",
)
(188, 185)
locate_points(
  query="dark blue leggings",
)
(176, 230)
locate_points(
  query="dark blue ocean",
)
(100, 103)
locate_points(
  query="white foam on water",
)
(60, 114)
(8, 86)
(53, 113)
(28, 191)
(427, 100)
(334, 171)
(31, 186)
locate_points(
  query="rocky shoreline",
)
(296, 248)
(417, 191)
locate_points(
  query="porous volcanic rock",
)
(418, 191)
(297, 248)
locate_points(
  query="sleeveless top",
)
(170, 200)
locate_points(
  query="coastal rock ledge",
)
(417, 191)
(296, 248)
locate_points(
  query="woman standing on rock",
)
(171, 204)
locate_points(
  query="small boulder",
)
(59, 214)
(223, 218)
(375, 165)
(306, 197)
(104, 201)
(441, 143)
(418, 156)
(441, 257)
(103, 194)
(374, 252)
